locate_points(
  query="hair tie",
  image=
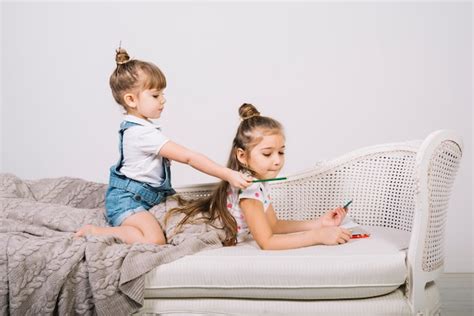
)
(122, 62)
(248, 117)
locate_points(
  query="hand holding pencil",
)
(268, 180)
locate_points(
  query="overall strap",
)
(152, 195)
(123, 126)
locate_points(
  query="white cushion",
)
(394, 303)
(361, 268)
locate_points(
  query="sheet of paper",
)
(357, 230)
(348, 223)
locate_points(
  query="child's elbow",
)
(265, 247)
(265, 244)
(189, 159)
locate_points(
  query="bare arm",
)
(289, 226)
(331, 218)
(200, 162)
(260, 226)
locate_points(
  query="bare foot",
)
(86, 230)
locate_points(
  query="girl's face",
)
(149, 104)
(267, 158)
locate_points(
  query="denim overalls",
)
(125, 197)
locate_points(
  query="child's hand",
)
(332, 235)
(239, 180)
(333, 217)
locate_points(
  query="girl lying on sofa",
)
(259, 150)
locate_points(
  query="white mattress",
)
(361, 268)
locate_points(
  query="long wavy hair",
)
(213, 209)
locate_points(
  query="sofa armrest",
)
(436, 167)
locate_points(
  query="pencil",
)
(267, 180)
(347, 204)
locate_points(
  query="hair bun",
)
(121, 56)
(247, 111)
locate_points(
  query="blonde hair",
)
(133, 74)
(213, 209)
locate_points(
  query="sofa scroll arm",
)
(436, 166)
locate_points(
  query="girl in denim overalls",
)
(142, 178)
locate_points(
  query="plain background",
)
(339, 76)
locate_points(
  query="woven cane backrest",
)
(441, 175)
(381, 186)
(380, 183)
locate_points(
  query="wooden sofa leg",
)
(419, 301)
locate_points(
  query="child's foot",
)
(86, 230)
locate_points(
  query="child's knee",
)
(155, 239)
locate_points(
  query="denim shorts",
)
(121, 204)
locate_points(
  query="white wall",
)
(339, 76)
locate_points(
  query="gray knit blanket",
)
(45, 270)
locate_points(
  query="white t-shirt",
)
(141, 146)
(257, 191)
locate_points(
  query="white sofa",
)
(400, 194)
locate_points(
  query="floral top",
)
(257, 191)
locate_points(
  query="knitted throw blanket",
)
(45, 270)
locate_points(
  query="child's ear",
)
(130, 100)
(241, 156)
